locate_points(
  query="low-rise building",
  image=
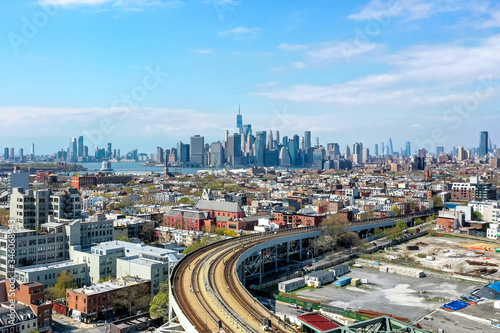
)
(31, 294)
(99, 300)
(47, 275)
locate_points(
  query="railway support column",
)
(261, 267)
(287, 252)
(300, 249)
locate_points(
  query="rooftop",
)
(317, 322)
(60, 264)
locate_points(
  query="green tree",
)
(64, 281)
(430, 218)
(158, 308)
(412, 205)
(438, 201)
(477, 216)
(230, 233)
(107, 278)
(336, 235)
(378, 233)
(401, 224)
(123, 238)
(185, 201)
(394, 233)
(396, 210)
(419, 221)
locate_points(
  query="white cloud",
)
(205, 51)
(299, 65)
(421, 76)
(494, 20)
(385, 10)
(328, 52)
(239, 31)
(289, 47)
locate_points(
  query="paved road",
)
(67, 326)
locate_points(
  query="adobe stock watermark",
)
(456, 115)
(363, 36)
(223, 6)
(31, 26)
(280, 119)
(126, 102)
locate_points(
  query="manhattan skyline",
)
(160, 71)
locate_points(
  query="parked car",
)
(309, 265)
(293, 305)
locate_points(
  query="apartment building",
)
(32, 247)
(32, 208)
(31, 294)
(47, 275)
(100, 260)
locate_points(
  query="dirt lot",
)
(395, 294)
(453, 254)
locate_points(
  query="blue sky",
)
(147, 73)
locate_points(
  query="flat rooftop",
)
(317, 322)
(41, 268)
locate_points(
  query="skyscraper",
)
(216, 154)
(483, 144)
(408, 149)
(233, 151)
(347, 153)
(109, 151)
(32, 150)
(461, 153)
(197, 149)
(307, 139)
(182, 152)
(390, 150)
(382, 149)
(260, 148)
(376, 150)
(247, 129)
(270, 145)
(80, 146)
(73, 150)
(239, 122)
(159, 155)
(439, 150)
(365, 155)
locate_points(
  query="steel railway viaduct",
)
(207, 287)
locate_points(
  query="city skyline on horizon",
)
(417, 70)
(406, 148)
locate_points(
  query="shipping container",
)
(355, 282)
(343, 282)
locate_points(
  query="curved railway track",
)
(207, 289)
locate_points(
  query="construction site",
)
(434, 283)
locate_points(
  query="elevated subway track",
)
(205, 287)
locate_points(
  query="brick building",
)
(32, 295)
(86, 181)
(221, 208)
(186, 219)
(295, 220)
(97, 301)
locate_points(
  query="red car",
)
(309, 265)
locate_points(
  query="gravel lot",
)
(394, 294)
